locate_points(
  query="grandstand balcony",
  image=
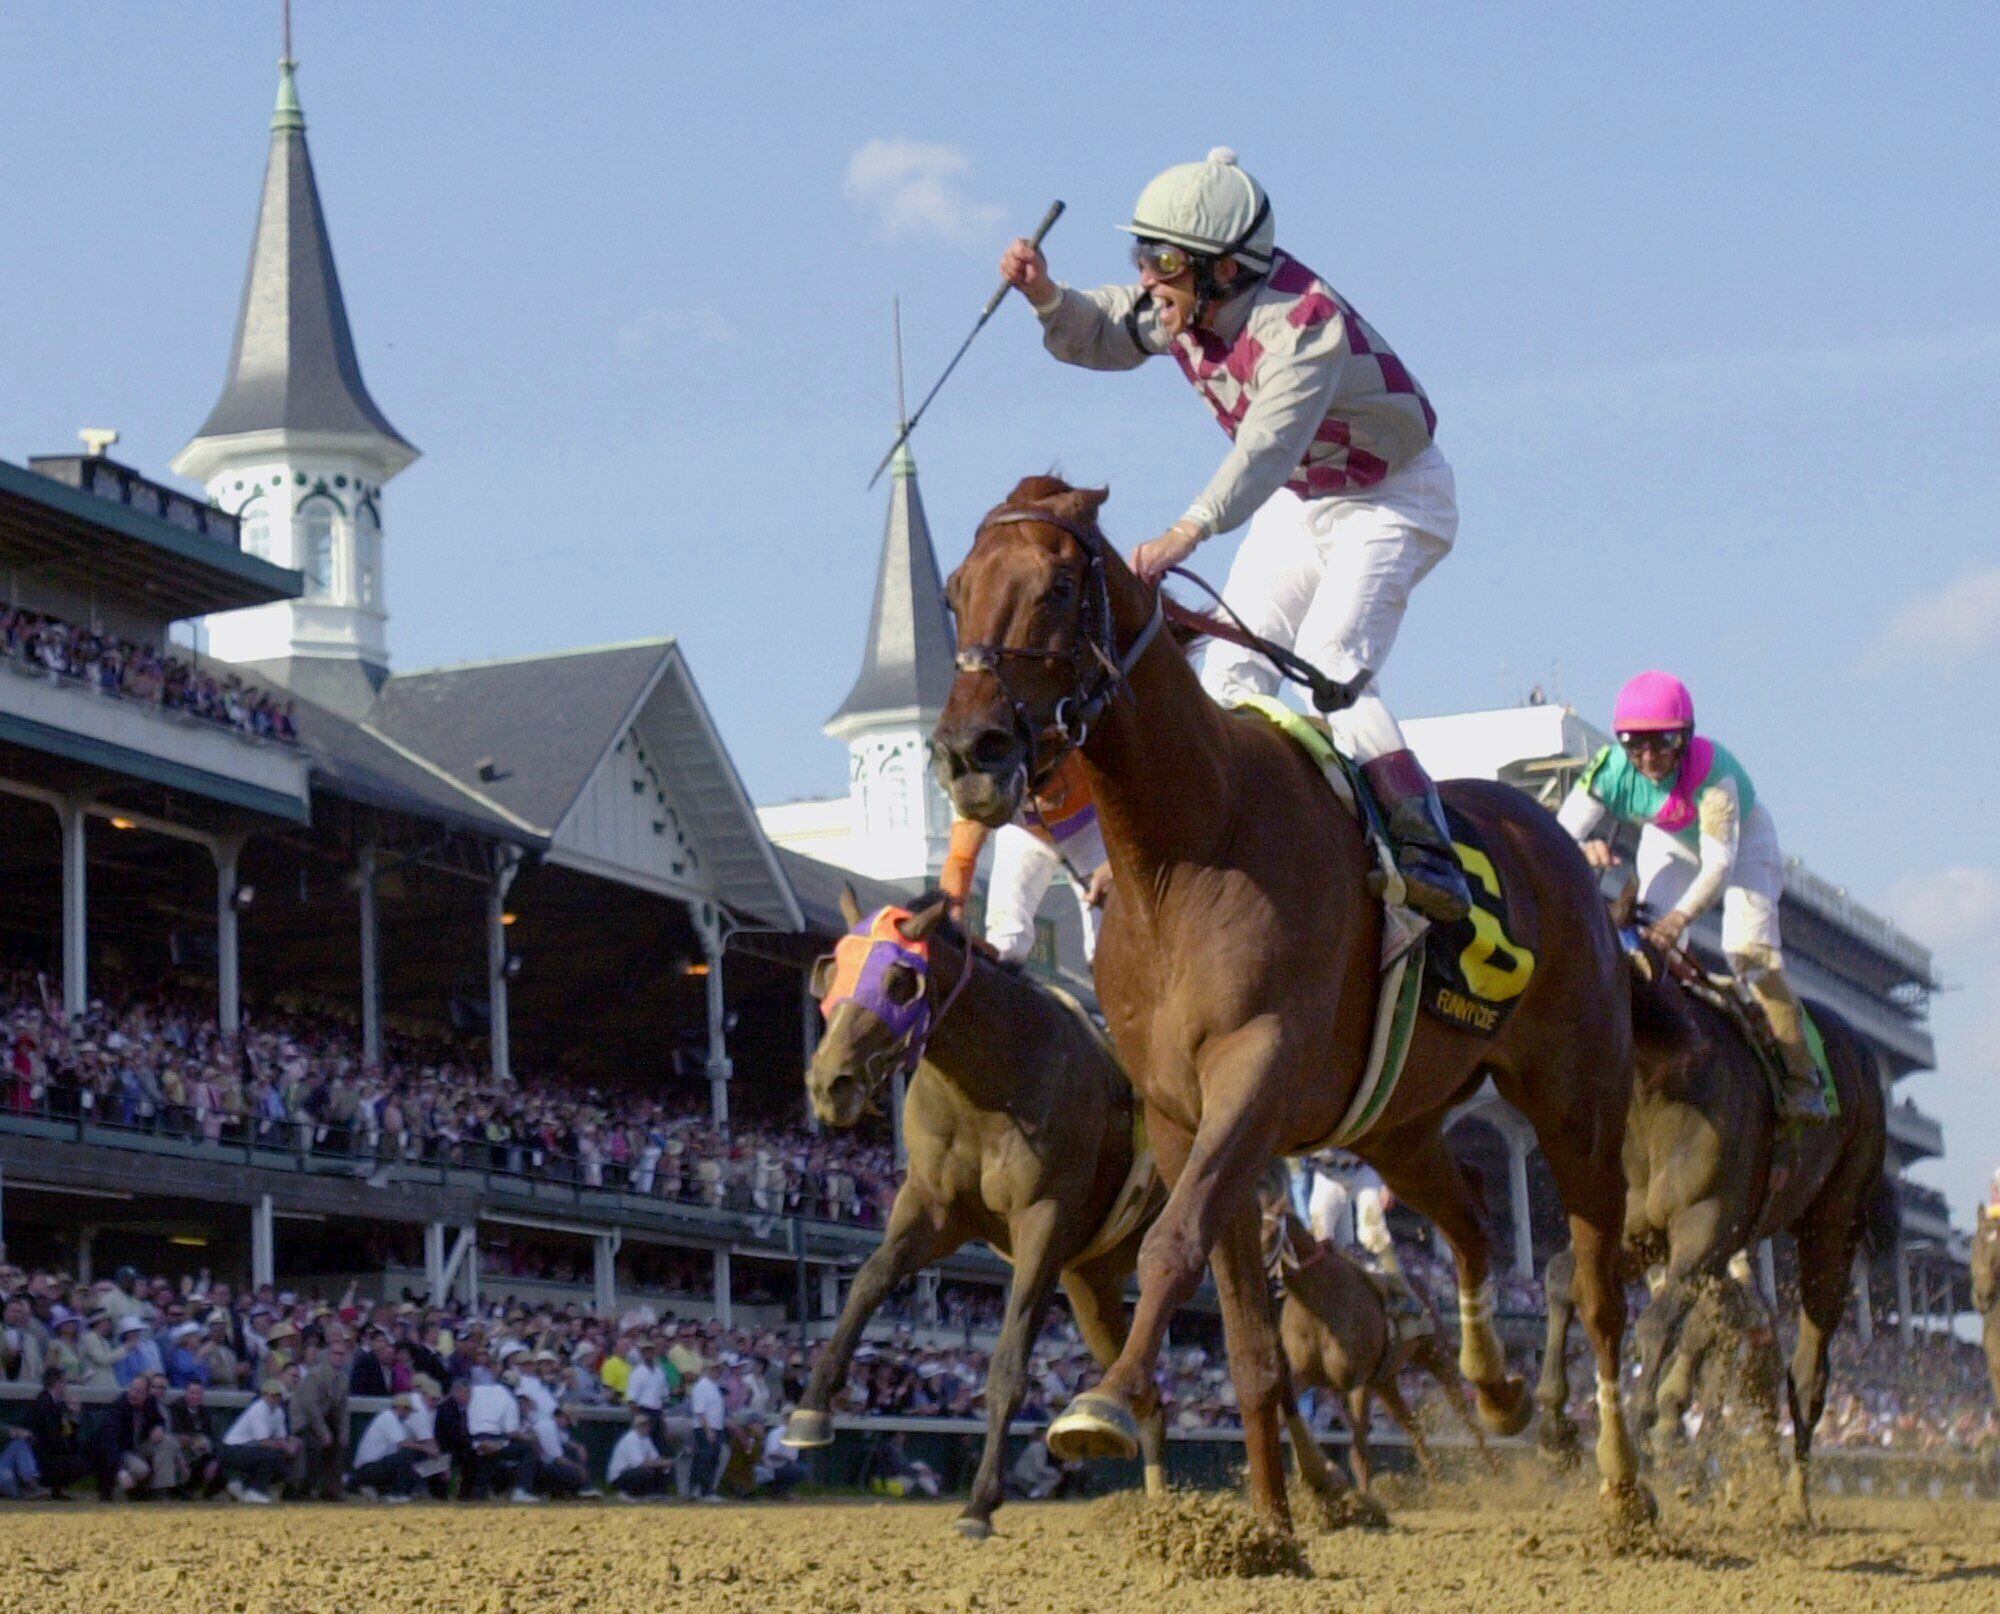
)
(1918, 1134)
(74, 720)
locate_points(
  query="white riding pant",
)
(1023, 866)
(1330, 578)
(1666, 868)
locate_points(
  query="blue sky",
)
(1704, 296)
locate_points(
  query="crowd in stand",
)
(157, 1063)
(115, 666)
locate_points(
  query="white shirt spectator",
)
(383, 1437)
(422, 1422)
(705, 1402)
(1371, 1213)
(1330, 1210)
(548, 1436)
(261, 1420)
(543, 1397)
(647, 1387)
(492, 1413)
(632, 1449)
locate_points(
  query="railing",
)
(26, 667)
(519, 1171)
(107, 479)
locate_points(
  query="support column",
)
(468, 1238)
(75, 823)
(724, 1309)
(506, 864)
(434, 1275)
(371, 953)
(1518, 1201)
(263, 1243)
(228, 980)
(86, 1236)
(1906, 1327)
(708, 920)
(604, 1272)
(809, 1042)
(829, 1292)
(1864, 1310)
(927, 1297)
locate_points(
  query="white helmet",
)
(1213, 208)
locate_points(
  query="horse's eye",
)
(903, 986)
(1063, 588)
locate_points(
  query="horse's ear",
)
(921, 924)
(1088, 501)
(850, 905)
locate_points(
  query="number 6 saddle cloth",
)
(1469, 974)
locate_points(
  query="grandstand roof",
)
(531, 735)
(818, 886)
(906, 666)
(292, 367)
(101, 546)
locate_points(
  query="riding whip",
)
(1048, 220)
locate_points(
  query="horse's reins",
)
(1328, 694)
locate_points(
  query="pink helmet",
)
(1653, 701)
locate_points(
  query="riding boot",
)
(1801, 1100)
(1414, 819)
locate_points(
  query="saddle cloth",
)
(1474, 972)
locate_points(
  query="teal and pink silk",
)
(1674, 805)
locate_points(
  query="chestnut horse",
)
(1712, 1172)
(1019, 1125)
(1238, 965)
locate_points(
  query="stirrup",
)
(1430, 892)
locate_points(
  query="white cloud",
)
(700, 326)
(1949, 909)
(1946, 628)
(917, 188)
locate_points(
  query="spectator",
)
(637, 1469)
(562, 1468)
(453, 1437)
(892, 1471)
(318, 1417)
(181, 1356)
(258, 1449)
(646, 1383)
(706, 1405)
(20, 1473)
(778, 1467)
(52, 1425)
(493, 1422)
(192, 1427)
(386, 1460)
(23, 1343)
(375, 1366)
(134, 1447)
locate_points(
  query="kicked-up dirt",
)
(1517, 1543)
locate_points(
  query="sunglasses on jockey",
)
(1669, 740)
(877, 966)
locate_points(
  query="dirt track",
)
(1525, 1545)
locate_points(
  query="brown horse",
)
(1338, 1336)
(1019, 1126)
(1238, 966)
(1986, 1288)
(1711, 1173)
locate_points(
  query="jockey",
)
(1056, 831)
(1332, 454)
(1696, 806)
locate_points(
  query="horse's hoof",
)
(807, 1430)
(971, 1528)
(1504, 1405)
(1094, 1425)
(1628, 1505)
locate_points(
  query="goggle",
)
(1162, 258)
(876, 966)
(1653, 739)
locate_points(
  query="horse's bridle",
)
(1097, 667)
(911, 1026)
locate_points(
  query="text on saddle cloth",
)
(1474, 972)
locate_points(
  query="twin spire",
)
(292, 368)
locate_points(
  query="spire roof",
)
(293, 366)
(907, 663)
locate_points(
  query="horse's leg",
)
(1359, 1416)
(1263, 1388)
(918, 1233)
(1558, 1432)
(1212, 1175)
(1033, 1234)
(1305, 1367)
(1099, 1307)
(1601, 1304)
(1694, 1240)
(1438, 1363)
(1392, 1397)
(1826, 1238)
(1419, 1166)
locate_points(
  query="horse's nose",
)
(989, 749)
